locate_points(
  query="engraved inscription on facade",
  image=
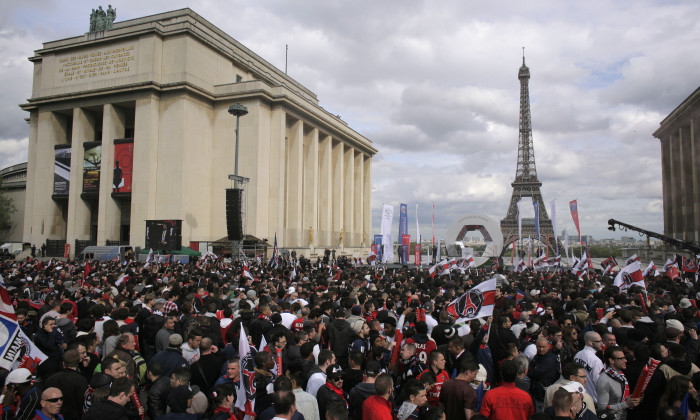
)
(96, 64)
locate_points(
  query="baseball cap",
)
(373, 368)
(19, 376)
(674, 323)
(334, 372)
(175, 340)
(573, 386)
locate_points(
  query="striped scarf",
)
(618, 377)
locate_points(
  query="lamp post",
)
(238, 110)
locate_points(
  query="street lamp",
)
(238, 110)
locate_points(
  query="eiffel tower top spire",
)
(525, 170)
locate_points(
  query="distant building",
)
(14, 184)
(628, 239)
(679, 135)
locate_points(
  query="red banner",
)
(416, 257)
(66, 251)
(406, 246)
(573, 206)
(123, 166)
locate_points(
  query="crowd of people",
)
(335, 339)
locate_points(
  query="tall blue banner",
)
(403, 230)
(378, 242)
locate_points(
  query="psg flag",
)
(477, 302)
(631, 275)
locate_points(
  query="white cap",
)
(573, 386)
(19, 376)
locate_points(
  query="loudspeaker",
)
(234, 222)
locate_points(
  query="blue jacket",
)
(170, 359)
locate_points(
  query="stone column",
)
(295, 143)
(694, 163)
(676, 195)
(666, 175)
(367, 202)
(78, 223)
(338, 191)
(687, 199)
(278, 177)
(349, 207)
(325, 192)
(358, 201)
(310, 187)
(43, 218)
(109, 213)
(143, 191)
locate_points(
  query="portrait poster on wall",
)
(123, 166)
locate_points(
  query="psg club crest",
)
(627, 279)
(469, 305)
(248, 375)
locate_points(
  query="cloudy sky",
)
(434, 86)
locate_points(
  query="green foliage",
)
(7, 209)
(605, 252)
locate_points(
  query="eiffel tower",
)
(526, 183)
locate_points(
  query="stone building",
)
(679, 134)
(155, 91)
(14, 180)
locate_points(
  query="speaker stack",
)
(234, 221)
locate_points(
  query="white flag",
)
(387, 219)
(245, 400)
(387, 242)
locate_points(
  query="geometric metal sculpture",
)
(526, 183)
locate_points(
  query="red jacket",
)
(507, 402)
(376, 408)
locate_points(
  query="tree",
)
(7, 208)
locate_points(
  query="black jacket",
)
(258, 328)
(327, 396)
(157, 396)
(207, 370)
(543, 372)
(358, 395)
(73, 385)
(340, 335)
(170, 359)
(106, 410)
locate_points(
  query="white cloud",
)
(436, 89)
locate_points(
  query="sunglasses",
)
(54, 400)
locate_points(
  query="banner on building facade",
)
(61, 169)
(123, 166)
(92, 162)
